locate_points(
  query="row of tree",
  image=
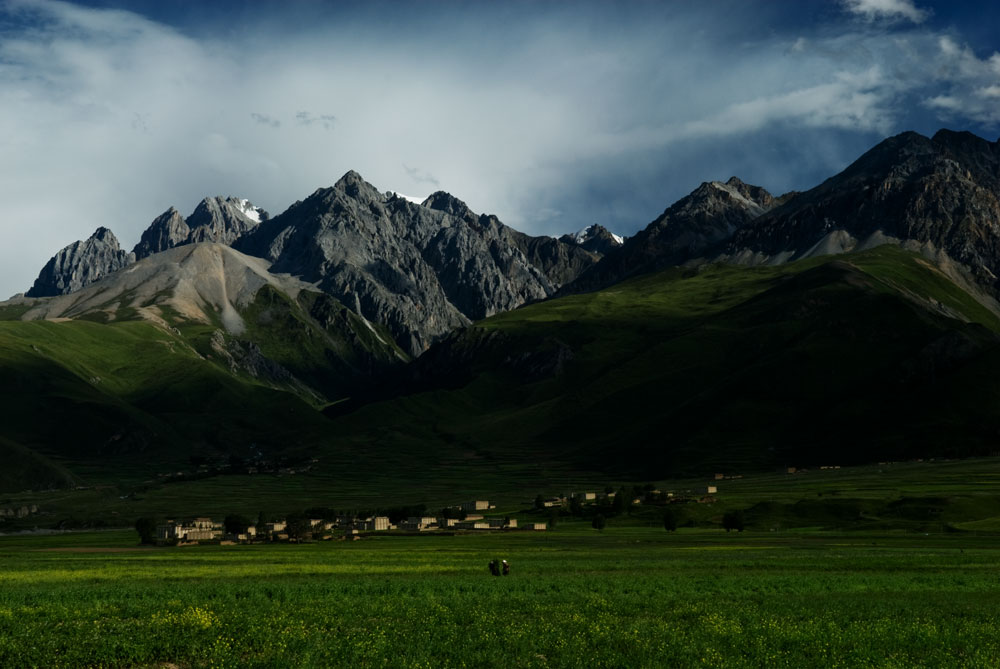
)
(731, 520)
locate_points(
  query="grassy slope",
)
(332, 359)
(127, 399)
(827, 360)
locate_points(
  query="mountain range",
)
(737, 328)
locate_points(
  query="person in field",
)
(494, 567)
(506, 568)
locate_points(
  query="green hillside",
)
(837, 360)
(831, 360)
(125, 400)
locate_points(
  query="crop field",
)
(628, 596)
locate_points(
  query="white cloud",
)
(108, 118)
(852, 101)
(872, 10)
(968, 85)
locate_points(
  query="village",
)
(468, 517)
(344, 526)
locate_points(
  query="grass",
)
(625, 597)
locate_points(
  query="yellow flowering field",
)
(628, 597)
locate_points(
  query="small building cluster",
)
(205, 529)
(18, 512)
(199, 529)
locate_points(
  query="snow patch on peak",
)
(409, 198)
(583, 235)
(589, 231)
(250, 211)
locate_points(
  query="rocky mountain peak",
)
(939, 196)
(223, 220)
(166, 231)
(105, 235)
(353, 185)
(594, 238)
(80, 264)
(448, 203)
(216, 219)
(696, 226)
(755, 194)
(421, 270)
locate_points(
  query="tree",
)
(236, 524)
(669, 520)
(599, 522)
(539, 501)
(553, 518)
(733, 520)
(298, 527)
(146, 527)
(620, 505)
(575, 506)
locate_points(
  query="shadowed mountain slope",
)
(695, 227)
(830, 360)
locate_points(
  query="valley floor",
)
(629, 596)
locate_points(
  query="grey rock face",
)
(422, 270)
(560, 260)
(80, 264)
(223, 220)
(215, 219)
(165, 232)
(696, 226)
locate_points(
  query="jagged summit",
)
(446, 202)
(215, 219)
(422, 270)
(594, 238)
(939, 196)
(354, 185)
(80, 264)
(223, 220)
(105, 235)
(167, 230)
(696, 226)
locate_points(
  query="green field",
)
(630, 596)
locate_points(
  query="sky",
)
(551, 115)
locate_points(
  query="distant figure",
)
(506, 568)
(494, 567)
